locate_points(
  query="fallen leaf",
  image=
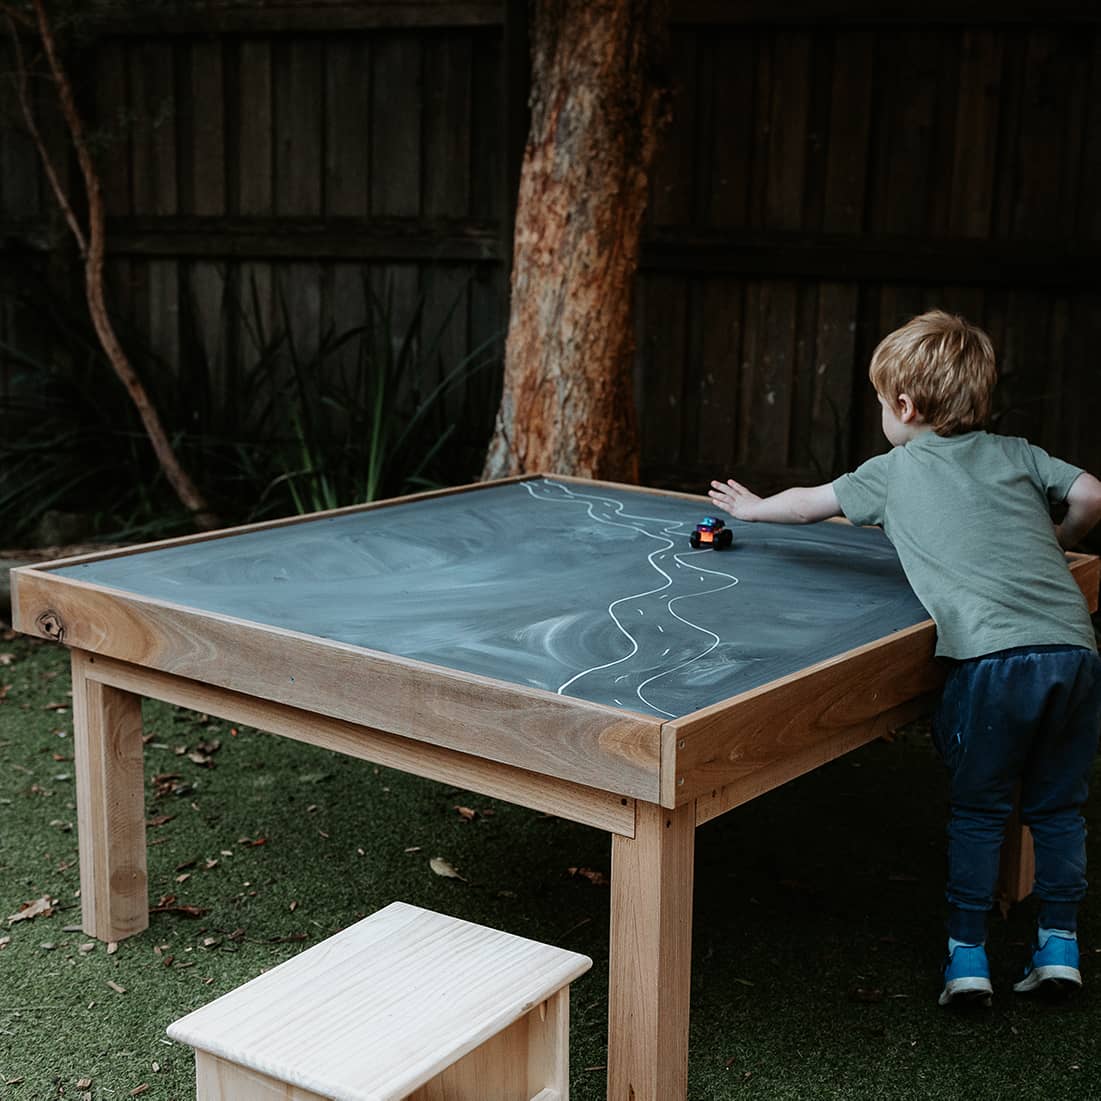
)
(467, 812)
(598, 879)
(87, 946)
(115, 987)
(39, 907)
(417, 849)
(112, 947)
(442, 867)
(137, 1091)
(4, 942)
(83, 1083)
(159, 820)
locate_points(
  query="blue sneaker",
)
(1054, 964)
(967, 976)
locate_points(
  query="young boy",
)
(969, 515)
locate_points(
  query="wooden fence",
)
(825, 177)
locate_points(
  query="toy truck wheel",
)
(726, 538)
(694, 539)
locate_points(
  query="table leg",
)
(1018, 866)
(110, 801)
(651, 956)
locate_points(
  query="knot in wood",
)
(51, 625)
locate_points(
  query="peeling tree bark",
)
(598, 105)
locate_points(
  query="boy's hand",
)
(801, 505)
(734, 498)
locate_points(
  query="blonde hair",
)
(946, 366)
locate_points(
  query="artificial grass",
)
(817, 937)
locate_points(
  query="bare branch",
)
(181, 483)
(17, 15)
(36, 136)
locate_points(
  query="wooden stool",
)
(406, 1005)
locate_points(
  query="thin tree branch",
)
(36, 136)
(181, 483)
(17, 15)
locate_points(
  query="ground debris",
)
(444, 868)
(38, 907)
(598, 879)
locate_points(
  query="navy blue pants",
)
(1027, 718)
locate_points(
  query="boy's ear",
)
(907, 410)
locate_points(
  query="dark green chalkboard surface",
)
(576, 589)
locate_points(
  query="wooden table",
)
(551, 642)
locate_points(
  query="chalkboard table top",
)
(588, 592)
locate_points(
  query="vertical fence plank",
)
(974, 161)
(787, 131)
(252, 184)
(487, 151)
(298, 127)
(447, 126)
(663, 360)
(1041, 146)
(155, 189)
(672, 179)
(347, 114)
(721, 305)
(396, 120)
(732, 144)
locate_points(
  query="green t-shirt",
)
(970, 519)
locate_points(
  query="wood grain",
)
(651, 956)
(110, 798)
(598, 809)
(387, 1005)
(744, 746)
(571, 739)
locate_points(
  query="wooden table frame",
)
(646, 782)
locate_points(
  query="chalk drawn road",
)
(657, 622)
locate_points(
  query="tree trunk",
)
(597, 107)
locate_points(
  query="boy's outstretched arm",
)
(803, 505)
(1083, 510)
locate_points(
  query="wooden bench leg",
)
(651, 956)
(1018, 866)
(220, 1080)
(110, 800)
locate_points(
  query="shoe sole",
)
(1053, 977)
(972, 990)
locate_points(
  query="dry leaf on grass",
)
(467, 812)
(598, 879)
(442, 867)
(39, 907)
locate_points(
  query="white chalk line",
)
(668, 526)
(650, 592)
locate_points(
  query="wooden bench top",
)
(378, 1009)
